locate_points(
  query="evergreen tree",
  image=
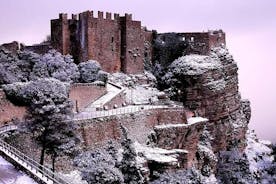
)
(131, 171)
(50, 112)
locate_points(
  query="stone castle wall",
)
(202, 43)
(197, 42)
(116, 43)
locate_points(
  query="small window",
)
(146, 54)
(192, 39)
(112, 39)
(183, 38)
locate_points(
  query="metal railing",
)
(118, 111)
(7, 128)
(43, 173)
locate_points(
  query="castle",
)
(118, 43)
(121, 44)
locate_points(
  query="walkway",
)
(119, 111)
(112, 91)
(42, 172)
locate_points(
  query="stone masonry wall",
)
(132, 45)
(9, 111)
(100, 39)
(97, 132)
(117, 43)
(118, 101)
(83, 94)
(197, 42)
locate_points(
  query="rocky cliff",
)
(208, 86)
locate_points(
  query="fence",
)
(7, 128)
(119, 111)
(40, 171)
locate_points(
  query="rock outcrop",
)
(208, 86)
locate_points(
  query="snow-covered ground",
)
(258, 152)
(9, 175)
(141, 95)
(112, 91)
(139, 89)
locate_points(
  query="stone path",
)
(122, 110)
(112, 91)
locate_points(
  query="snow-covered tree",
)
(206, 159)
(99, 167)
(53, 64)
(50, 112)
(128, 165)
(26, 66)
(12, 69)
(233, 167)
(190, 176)
(90, 71)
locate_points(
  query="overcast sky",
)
(250, 27)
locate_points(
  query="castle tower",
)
(60, 36)
(116, 43)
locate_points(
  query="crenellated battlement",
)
(104, 37)
(99, 16)
(119, 43)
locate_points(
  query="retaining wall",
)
(9, 111)
(97, 132)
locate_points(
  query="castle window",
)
(192, 39)
(183, 38)
(146, 54)
(112, 43)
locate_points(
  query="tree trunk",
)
(42, 155)
(53, 162)
(43, 149)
